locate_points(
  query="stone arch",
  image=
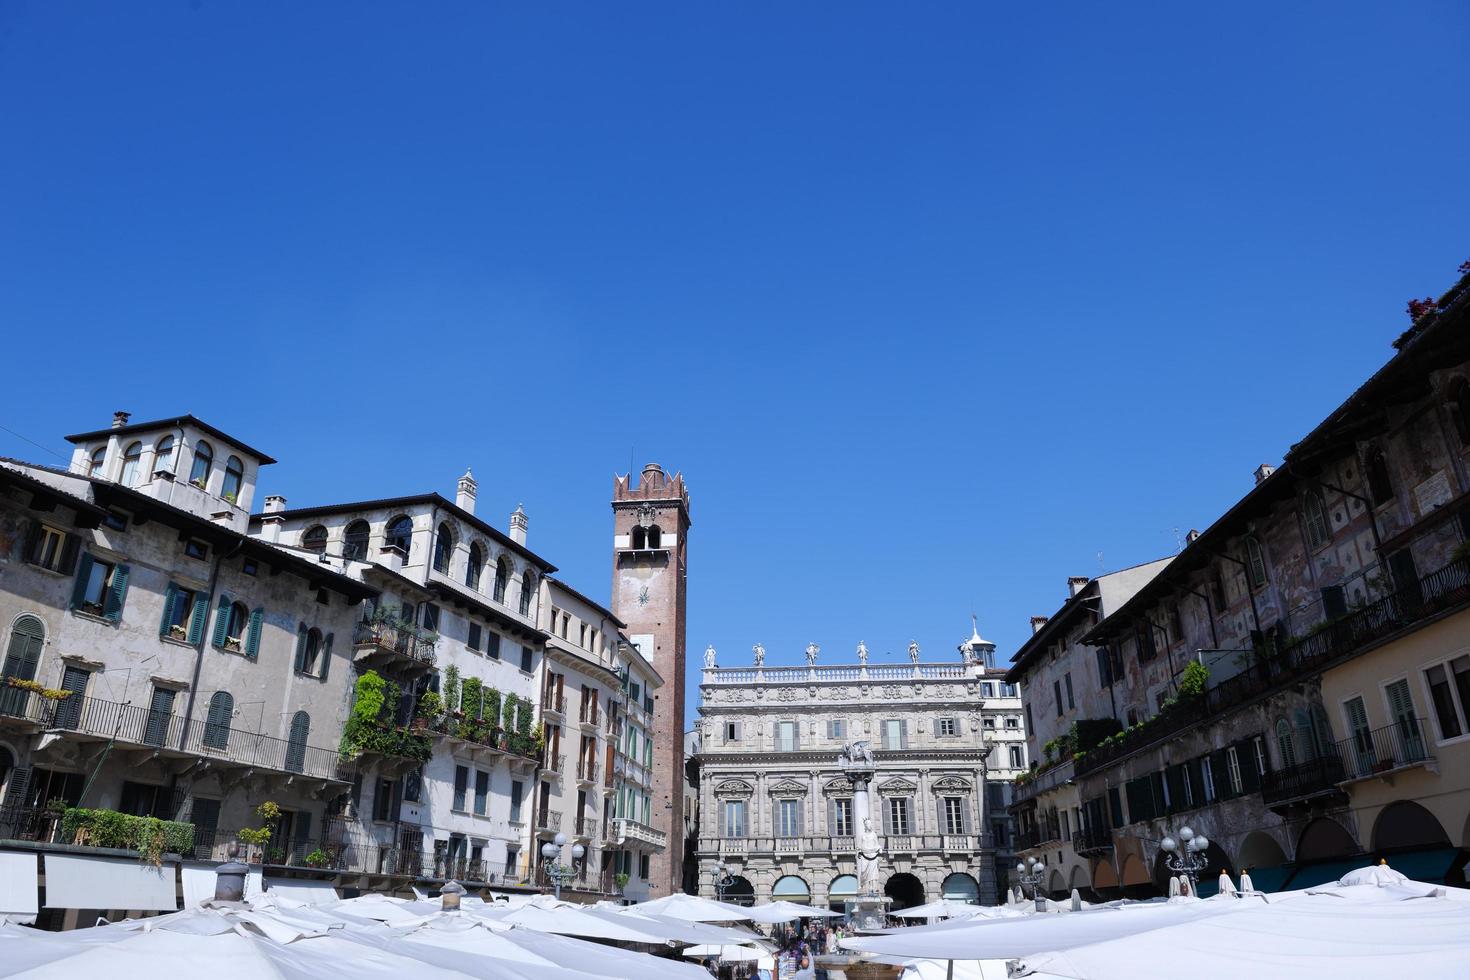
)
(1104, 875)
(1261, 850)
(792, 888)
(740, 891)
(1322, 839)
(1135, 872)
(960, 887)
(1055, 884)
(1405, 824)
(1078, 879)
(906, 891)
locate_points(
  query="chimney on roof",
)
(120, 419)
(1076, 583)
(1263, 471)
(518, 526)
(270, 525)
(1192, 536)
(651, 477)
(464, 492)
(275, 503)
(1037, 622)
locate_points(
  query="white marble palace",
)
(777, 811)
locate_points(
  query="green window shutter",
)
(33, 539)
(252, 635)
(221, 621)
(69, 554)
(198, 617)
(169, 595)
(301, 649)
(117, 593)
(326, 655)
(79, 589)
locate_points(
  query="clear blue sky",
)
(932, 303)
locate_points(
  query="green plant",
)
(230, 495)
(471, 698)
(621, 880)
(1193, 680)
(431, 706)
(150, 837)
(451, 688)
(318, 859)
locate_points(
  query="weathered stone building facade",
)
(776, 808)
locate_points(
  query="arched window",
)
(131, 456)
(203, 460)
(502, 578)
(1319, 532)
(234, 477)
(655, 537)
(1255, 562)
(99, 457)
(239, 621)
(472, 570)
(311, 651)
(22, 655)
(355, 541)
(639, 538)
(528, 589)
(296, 744)
(315, 539)
(443, 548)
(217, 727)
(1460, 409)
(1285, 743)
(163, 455)
(400, 531)
(1380, 486)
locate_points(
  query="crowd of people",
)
(797, 947)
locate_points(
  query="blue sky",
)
(932, 303)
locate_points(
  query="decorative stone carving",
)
(841, 786)
(788, 788)
(896, 786)
(734, 787)
(951, 783)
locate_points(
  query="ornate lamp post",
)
(1029, 874)
(723, 879)
(560, 873)
(1186, 856)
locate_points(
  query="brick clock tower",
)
(650, 582)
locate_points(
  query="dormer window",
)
(315, 539)
(99, 458)
(355, 541)
(163, 456)
(131, 457)
(234, 478)
(400, 530)
(203, 462)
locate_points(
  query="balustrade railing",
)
(403, 641)
(1373, 752)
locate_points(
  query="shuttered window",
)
(217, 728)
(22, 655)
(296, 743)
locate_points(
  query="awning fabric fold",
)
(81, 882)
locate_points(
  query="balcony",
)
(586, 771)
(384, 644)
(1044, 781)
(959, 844)
(902, 844)
(588, 714)
(586, 826)
(553, 765)
(1092, 840)
(631, 830)
(1304, 781)
(554, 704)
(547, 821)
(174, 736)
(1384, 752)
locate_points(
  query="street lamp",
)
(1029, 874)
(560, 873)
(723, 879)
(1186, 856)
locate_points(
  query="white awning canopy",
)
(77, 882)
(306, 892)
(18, 876)
(199, 882)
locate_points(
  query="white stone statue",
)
(857, 752)
(709, 657)
(869, 882)
(862, 653)
(811, 654)
(760, 655)
(914, 651)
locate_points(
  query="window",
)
(473, 641)
(1146, 649)
(431, 617)
(383, 800)
(116, 519)
(196, 549)
(474, 566)
(842, 817)
(482, 792)
(836, 728)
(988, 722)
(217, 727)
(203, 461)
(144, 800)
(1013, 722)
(1232, 761)
(1460, 409)
(732, 731)
(898, 815)
(528, 589)
(398, 534)
(502, 579)
(1030, 727)
(95, 586)
(526, 659)
(788, 818)
(517, 792)
(785, 736)
(443, 548)
(643, 866)
(947, 727)
(315, 539)
(461, 787)
(1449, 689)
(492, 644)
(1314, 515)
(99, 458)
(1285, 743)
(250, 566)
(1007, 690)
(987, 689)
(1405, 719)
(355, 541)
(1334, 602)
(234, 479)
(49, 548)
(160, 717)
(1056, 690)
(22, 656)
(131, 456)
(1380, 486)
(313, 651)
(954, 815)
(1176, 623)
(163, 456)
(1255, 562)
(236, 622)
(733, 817)
(1071, 704)
(895, 734)
(1016, 761)
(1217, 589)
(296, 742)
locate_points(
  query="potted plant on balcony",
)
(621, 880)
(431, 708)
(258, 837)
(318, 859)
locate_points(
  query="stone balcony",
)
(625, 830)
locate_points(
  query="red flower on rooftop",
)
(1421, 307)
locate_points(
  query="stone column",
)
(985, 865)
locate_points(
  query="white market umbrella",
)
(798, 910)
(587, 924)
(948, 908)
(693, 908)
(730, 954)
(688, 932)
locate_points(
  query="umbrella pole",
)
(949, 971)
